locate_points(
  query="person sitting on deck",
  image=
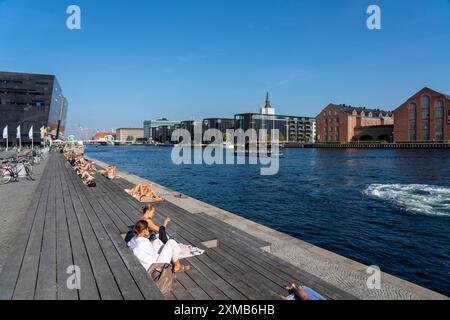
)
(148, 212)
(301, 293)
(143, 193)
(150, 252)
(110, 173)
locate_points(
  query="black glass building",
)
(31, 100)
(221, 124)
(291, 128)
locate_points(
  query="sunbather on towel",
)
(150, 252)
(88, 180)
(301, 293)
(143, 193)
(110, 173)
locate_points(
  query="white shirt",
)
(144, 251)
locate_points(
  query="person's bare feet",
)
(293, 286)
(166, 221)
(181, 268)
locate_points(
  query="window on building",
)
(412, 125)
(425, 114)
(439, 124)
(439, 135)
(426, 102)
(439, 112)
(412, 110)
(412, 136)
(425, 125)
(425, 136)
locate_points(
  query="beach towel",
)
(188, 251)
(312, 295)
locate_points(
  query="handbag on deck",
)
(162, 275)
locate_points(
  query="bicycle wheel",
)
(4, 179)
(29, 173)
(29, 166)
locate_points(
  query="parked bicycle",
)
(11, 170)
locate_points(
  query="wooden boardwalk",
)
(69, 224)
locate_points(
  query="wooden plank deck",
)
(70, 224)
(63, 229)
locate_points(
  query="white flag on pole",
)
(18, 134)
(30, 133)
(5, 133)
(42, 132)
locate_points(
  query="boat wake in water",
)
(413, 198)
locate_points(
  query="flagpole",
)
(32, 136)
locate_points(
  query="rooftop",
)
(349, 110)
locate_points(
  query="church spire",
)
(268, 101)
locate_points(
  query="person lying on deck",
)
(148, 212)
(143, 193)
(150, 252)
(88, 180)
(301, 293)
(79, 162)
(90, 166)
(110, 173)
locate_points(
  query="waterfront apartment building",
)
(343, 123)
(297, 129)
(423, 117)
(163, 133)
(221, 124)
(32, 100)
(154, 128)
(129, 134)
(191, 126)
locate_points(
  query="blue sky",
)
(137, 60)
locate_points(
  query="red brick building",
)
(423, 117)
(103, 136)
(344, 123)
